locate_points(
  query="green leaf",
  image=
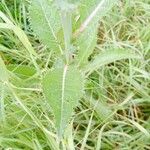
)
(22, 70)
(86, 44)
(63, 88)
(86, 41)
(109, 56)
(3, 71)
(102, 109)
(46, 23)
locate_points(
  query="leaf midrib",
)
(62, 96)
(48, 21)
(53, 33)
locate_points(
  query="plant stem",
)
(66, 19)
(67, 28)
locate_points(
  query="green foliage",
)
(109, 56)
(39, 87)
(45, 22)
(3, 71)
(86, 44)
(87, 40)
(63, 88)
(22, 71)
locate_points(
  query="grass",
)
(115, 112)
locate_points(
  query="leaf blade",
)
(45, 22)
(109, 56)
(63, 92)
(88, 38)
(4, 75)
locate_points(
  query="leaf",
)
(102, 109)
(109, 56)
(46, 22)
(63, 88)
(21, 36)
(3, 71)
(86, 44)
(86, 41)
(22, 71)
(140, 127)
